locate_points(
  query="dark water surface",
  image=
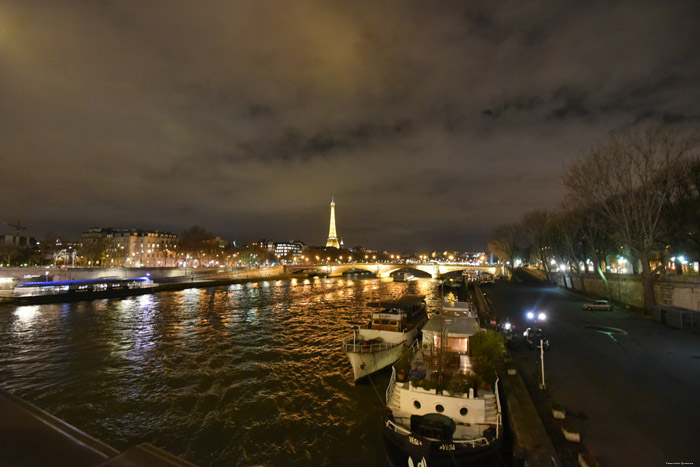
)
(250, 374)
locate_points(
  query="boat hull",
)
(366, 363)
(409, 449)
(81, 296)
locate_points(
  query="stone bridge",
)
(436, 270)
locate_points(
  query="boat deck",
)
(368, 346)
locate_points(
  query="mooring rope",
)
(376, 392)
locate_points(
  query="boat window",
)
(439, 408)
(416, 404)
(463, 411)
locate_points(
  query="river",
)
(249, 374)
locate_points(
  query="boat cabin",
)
(398, 314)
(456, 332)
(105, 284)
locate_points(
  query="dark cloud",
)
(430, 122)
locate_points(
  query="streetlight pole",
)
(543, 386)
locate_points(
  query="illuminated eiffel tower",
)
(332, 236)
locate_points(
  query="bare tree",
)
(682, 215)
(8, 252)
(566, 238)
(628, 180)
(504, 243)
(94, 249)
(538, 225)
(196, 243)
(598, 238)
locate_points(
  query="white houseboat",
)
(394, 326)
(437, 412)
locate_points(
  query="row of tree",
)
(635, 196)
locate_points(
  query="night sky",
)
(430, 122)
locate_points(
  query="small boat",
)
(453, 282)
(438, 413)
(391, 328)
(403, 277)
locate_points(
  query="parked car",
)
(598, 305)
(533, 336)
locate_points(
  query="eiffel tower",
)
(332, 236)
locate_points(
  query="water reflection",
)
(26, 315)
(239, 375)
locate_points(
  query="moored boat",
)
(394, 326)
(443, 414)
(453, 282)
(403, 277)
(85, 289)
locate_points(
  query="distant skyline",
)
(429, 122)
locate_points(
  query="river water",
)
(249, 374)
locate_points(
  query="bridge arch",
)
(436, 270)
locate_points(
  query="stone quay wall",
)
(671, 291)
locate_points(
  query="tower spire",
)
(332, 235)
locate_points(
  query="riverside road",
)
(633, 393)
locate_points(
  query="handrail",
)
(498, 397)
(390, 388)
(367, 348)
(415, 346)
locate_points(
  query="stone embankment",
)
(677, 296)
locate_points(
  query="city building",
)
(129, 247)
(18, 241)
(286, 250)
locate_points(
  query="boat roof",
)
(452, 305)
(404, 301)
(454, 325)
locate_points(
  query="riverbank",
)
(532, 445)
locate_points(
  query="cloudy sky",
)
(429, 122)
